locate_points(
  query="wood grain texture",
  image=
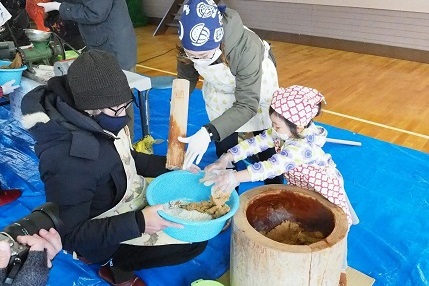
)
(258, 260)
(178, 124)
(380, 97)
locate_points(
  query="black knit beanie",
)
(97, 81)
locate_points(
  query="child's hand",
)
(220, 164)
(224, 183)
(209, 177)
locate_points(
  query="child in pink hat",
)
(299, 155)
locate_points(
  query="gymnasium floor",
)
(380, 102)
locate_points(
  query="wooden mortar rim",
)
(242, 224)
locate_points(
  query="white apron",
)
(135, 195)
(219, 88)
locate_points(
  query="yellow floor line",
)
(328, 111)
(377, 124)
(154, 69)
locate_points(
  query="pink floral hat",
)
(298, 104)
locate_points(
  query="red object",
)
(37, 13)
(106, 274)
(9, 196)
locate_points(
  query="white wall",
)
(398, 5)
(387, 27)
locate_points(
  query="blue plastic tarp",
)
(388, 186)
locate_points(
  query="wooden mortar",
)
(258, 260)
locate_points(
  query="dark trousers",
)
(232, 140)
(132, 257)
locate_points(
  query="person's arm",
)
(246, 66)
(44, 246)
(149, 165)
(89, 12)
(295, 153)
(239, 152)
(74, 198)
(34, 271)
(252, 146)
(3, 272)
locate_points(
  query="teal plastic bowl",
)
(10, 74)
(184, 185)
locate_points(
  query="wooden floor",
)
(384, 98)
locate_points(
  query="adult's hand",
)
(50, 6)
(4, 254)
(49, 240)
(197, 146)
(154, 222)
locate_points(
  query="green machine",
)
(46, 48)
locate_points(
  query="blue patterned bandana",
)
(200, 26)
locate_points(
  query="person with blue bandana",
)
(239, 75)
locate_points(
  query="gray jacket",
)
(244, 52)
(105, 25)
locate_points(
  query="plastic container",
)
(10, 74)
(162, 82)
(16, 96)
(185, 186)
(202, 282)
(71, 55)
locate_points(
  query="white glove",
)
(220, 164)
(197, 146)
(194, 169)
(224, 183)
(50, 6)
(8, 87)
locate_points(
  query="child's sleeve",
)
(252, 146)
(280, 163)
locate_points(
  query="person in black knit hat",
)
(92, 173)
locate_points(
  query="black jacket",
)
(82, 171)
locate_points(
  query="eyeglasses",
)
(119, 110)
(203, 56)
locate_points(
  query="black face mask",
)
(113, 124)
